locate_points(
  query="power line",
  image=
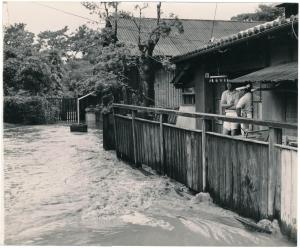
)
(126, 28)
(67, 12)
(212, 30)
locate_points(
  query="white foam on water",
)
(140, 219)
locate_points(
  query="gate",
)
(67, 108)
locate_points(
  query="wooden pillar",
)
(275, 137)
(134, 138)
(204, 166)
(203, 96)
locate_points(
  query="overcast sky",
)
(40, 17)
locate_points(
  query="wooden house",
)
(196, 34)
(265, 55)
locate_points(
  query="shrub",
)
(28, 110)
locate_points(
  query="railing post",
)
(275, 137)
(134, 138)
(204, 167)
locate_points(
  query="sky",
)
(43, 15)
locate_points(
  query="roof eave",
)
(216, 47)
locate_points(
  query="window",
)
(188, 95)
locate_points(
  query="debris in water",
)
(273, 227)
(259, 228)
(201, 197)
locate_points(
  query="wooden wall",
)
(166, 95)
(238, 174)
(182, 159)
(254, 178)
(287, 200)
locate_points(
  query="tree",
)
(54, 39)
(263, 13)
(27, 70)
(145, 45)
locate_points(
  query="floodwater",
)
(61, 188)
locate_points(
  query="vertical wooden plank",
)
(180, 164)
(184, 157)
(167, 151)
(161, 142)
(203, 147)
(294, 190)
(134, 137)
(274, 138)
(171, 145)
(234, 174)
(264, 182)
(196, 161)
(287, 181)
(115, 130)
(283, 186)
(188, 160)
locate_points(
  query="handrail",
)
(208, 116)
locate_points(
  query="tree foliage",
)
(145, 45)
(54, 39)
(27, 70)
(263, 13)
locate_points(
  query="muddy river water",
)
(62, 188)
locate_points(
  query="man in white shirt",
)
(229, 100)
(244, 107)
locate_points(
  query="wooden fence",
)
(254, 178)
(287, 188)
(67, 108)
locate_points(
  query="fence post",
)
(275, 137)
(204, 169)
(161, 143)
(134, 138)
(115, 132)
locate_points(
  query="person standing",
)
(244, 108)
(229, 100)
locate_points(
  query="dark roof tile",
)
(197, 33)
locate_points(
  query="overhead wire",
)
(212, 30)
(67, 12)
(125, 28)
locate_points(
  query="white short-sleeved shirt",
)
(229, 96)
(245, 103)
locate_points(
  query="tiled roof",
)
(277, 73)
(241, 36)
(196, 34)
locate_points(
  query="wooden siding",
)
(183, 160)
(148, 148)
(166, 95)
(288, 189)
(182, 149)
(238, 174)
(124, 138)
